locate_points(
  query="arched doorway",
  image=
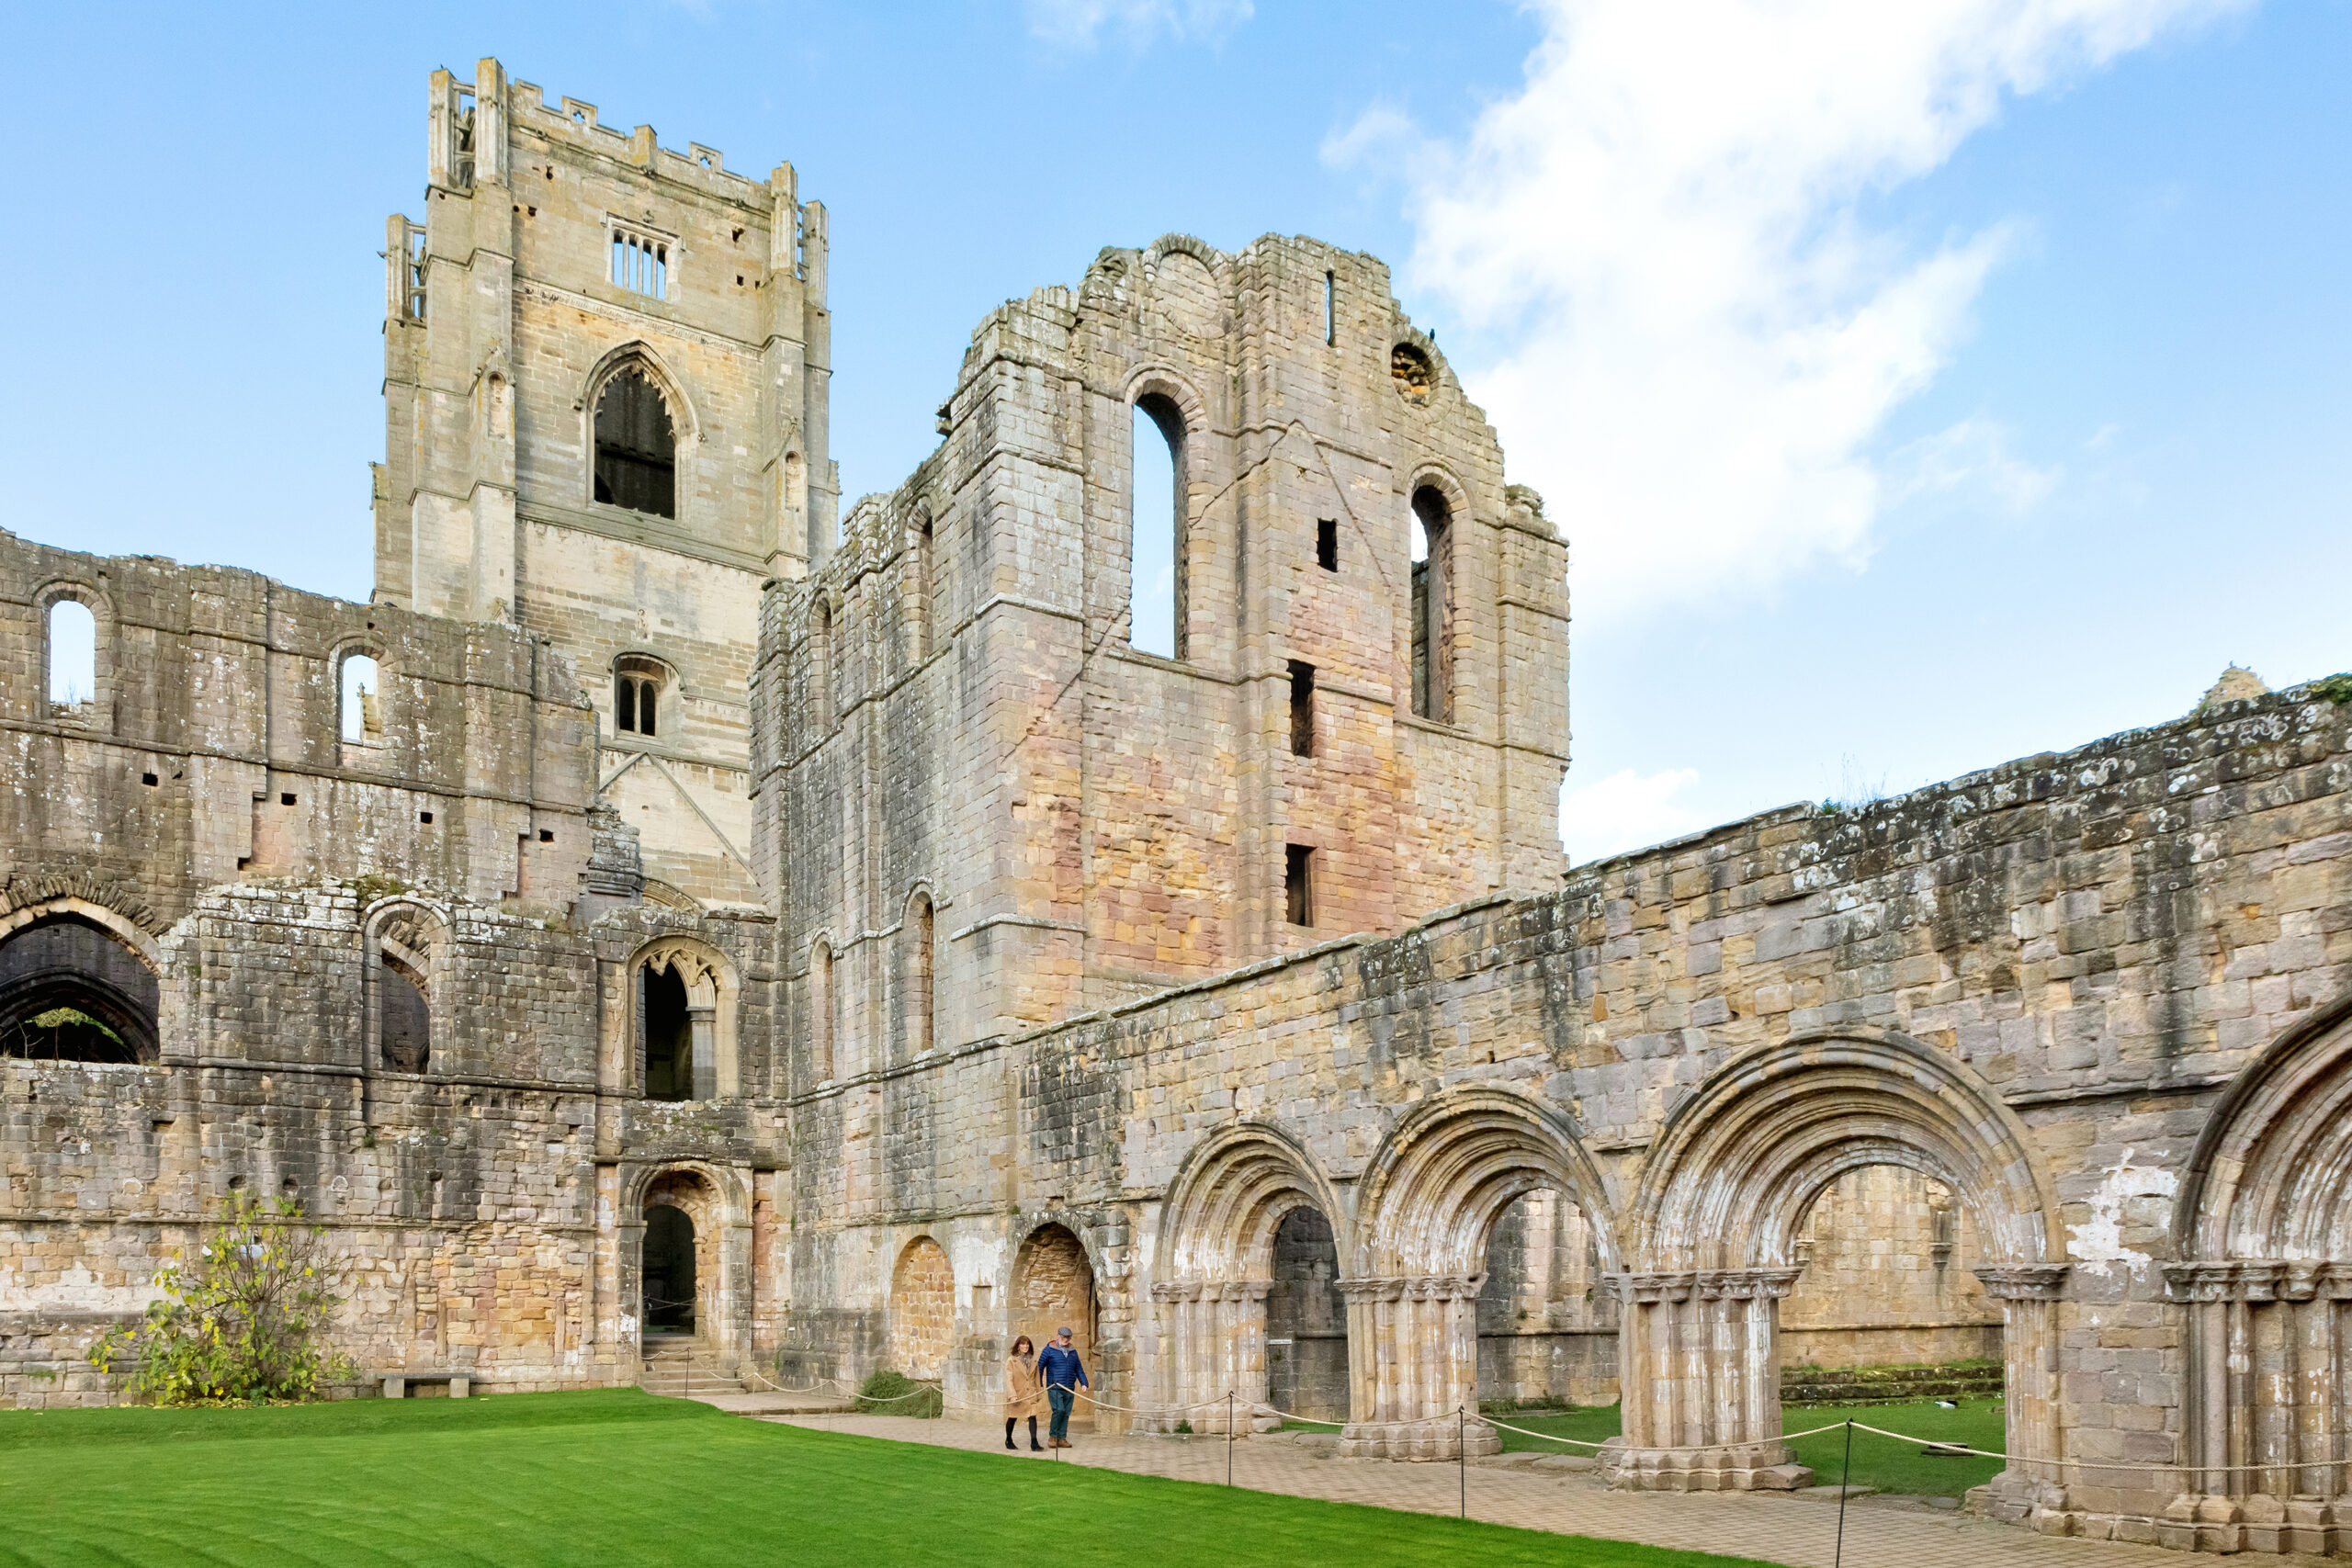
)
(1307, 1320)
(1735, 1174)
(1547, 1325)
(668, 1276)
(72, 991)
(1053, 1287)
(1429, 1208)
(1247, 1293)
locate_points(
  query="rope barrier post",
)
(1228, 1437)
(1462, 1453)
(1845, 1479)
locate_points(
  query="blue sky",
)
(1918, 387)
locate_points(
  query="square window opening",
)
(1327, 543)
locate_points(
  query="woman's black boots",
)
(1034, 1446)
(1008, 1434)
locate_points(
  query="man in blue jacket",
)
(1059, 1369)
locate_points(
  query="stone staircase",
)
(678, 1366)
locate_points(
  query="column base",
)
(1205, 1420)
(1734, 1467)
(2203, 1521)
(1441, 1438)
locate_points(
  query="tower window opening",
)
(72, 658)
(1302, 709)
(637, 697)
(1327, 543)
(363, 703)
(413, 262)
(1155, 560)
(667, 1031)
(641, 262)
(1331, 308)
(637, 452)
(463, 161)
(1298, 884)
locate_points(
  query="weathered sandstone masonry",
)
(665, 925)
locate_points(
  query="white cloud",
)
(1704, 330)
(1626, 811)
(1079, 24)
(1971, 463)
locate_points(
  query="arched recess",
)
(922, 1311)
(2262, 1227)
(695, 1056)
(1715, 1221)
(78, 982)
(1426, 1208)
(404, 949)
(358, 666)
(1439, 510)
(1055, 1284)
(1218, 1230)
(717, 1201)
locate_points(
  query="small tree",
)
(245, 1319)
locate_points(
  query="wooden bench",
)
(396, 1383)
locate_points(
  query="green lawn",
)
(618, 1477)
(1883, 1463)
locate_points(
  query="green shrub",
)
(244, 1320)
(890, 1393)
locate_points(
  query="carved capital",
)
(1648, 1289)
(2024, 1282)
(1744, 1284)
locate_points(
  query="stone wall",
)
(1889, 1259)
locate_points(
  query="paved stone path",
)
(1796, 1529)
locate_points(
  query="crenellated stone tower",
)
(605, 369)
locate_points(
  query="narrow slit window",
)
(1327, 543)
(1331, 308)
(1302, 709)
(1156, 564)
(73, 657)
(1432, 607)
(1298, 883)
(363, 701)
(820, 1014)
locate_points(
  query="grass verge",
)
(1881, 1463)
(618, 1476)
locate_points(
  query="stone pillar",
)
(1699, 1365)
(701, 1030)
(2262, 1419)
(2032, 1489)
(1413, 1359)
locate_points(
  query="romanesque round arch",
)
(1431, 474)
(1200, 250)
(1740, 1159)
(402, 946)
(1426, 1203)
(1159, 379)
(79, 982)
(123, 929)
(2271, 1174)
(1231, 1193)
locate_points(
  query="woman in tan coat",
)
(1023, 1394)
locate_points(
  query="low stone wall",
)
(1576, 1366)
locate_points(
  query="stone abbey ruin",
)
(675, 919)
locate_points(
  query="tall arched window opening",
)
(820, 1012)
(1433, 547)
(919, 962)
(362, 701)
(72, 658)
(1156, 562)
(404, 1019)
(636, 695)
(637, 453)
(919, 588)
(668, 1034)
(70, 991)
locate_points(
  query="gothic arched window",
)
(637, 449)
